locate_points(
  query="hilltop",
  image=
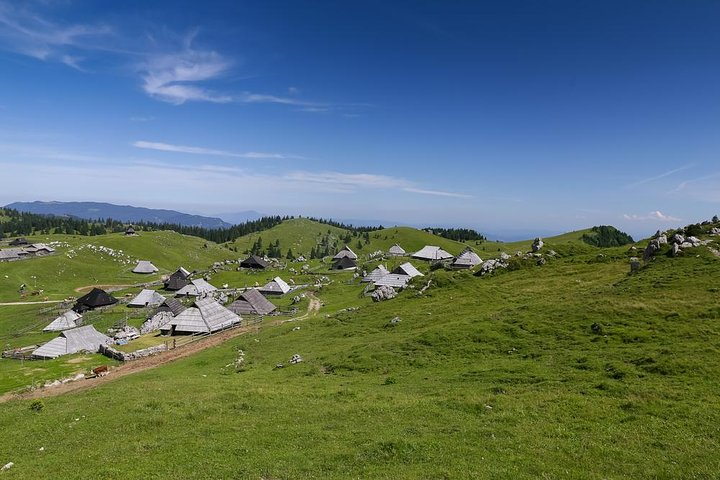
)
(123, 213)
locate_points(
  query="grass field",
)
(575, 369)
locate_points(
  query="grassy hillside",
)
(574, 369)
(104, 259)
(301, 235)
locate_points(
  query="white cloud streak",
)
(656, 215)
(166, 147)
(658, 177)
(436, 193)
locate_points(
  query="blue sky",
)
(505, 116)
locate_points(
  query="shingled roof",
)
(467, 259)
(251, 302)
(144, 266)
(345, 253)
(408, 269)
(147, 298)
(196, 288)
(95, 298)
(65, 321)
(431, 252)
(276, 286)
(73, 341)
(379, 272)
(206, 316)
(253, 261)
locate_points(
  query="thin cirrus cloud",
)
(655, 215)
(658, 177)
(29, 34)
(350, 181)
(175, 71)
(167, 147)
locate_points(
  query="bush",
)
(37, 406)
(607, 236)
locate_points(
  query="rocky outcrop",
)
(383, 292)
(537, 244)
(156, 322)
(651, 249)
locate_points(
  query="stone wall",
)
(109, 351)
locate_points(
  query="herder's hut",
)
(252, 302)
(94, 299)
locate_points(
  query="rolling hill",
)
(575, 368)
(123, 213)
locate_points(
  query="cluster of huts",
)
(208, 315)
(21, 249)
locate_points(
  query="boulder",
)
(383, 292)
(662, 240)
(677, 238)
(634, 264)
(675, 251)
(504, 256)
(650, 250)
(541, 261)
(537, 244)
(715, 231)
(694, 241)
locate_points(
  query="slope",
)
(574, 369)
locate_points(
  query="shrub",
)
(37, 406)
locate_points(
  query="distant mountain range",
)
(125, 213)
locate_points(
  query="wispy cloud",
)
(436, 193)
(167, 147)
(361, 180)
(28, 33)
(658, 177)
(142, 119)
(177, 77)
(656, 215)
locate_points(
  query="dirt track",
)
(147, 363)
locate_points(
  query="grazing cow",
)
(101, 371)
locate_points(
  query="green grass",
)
(78, 262)
(575, 369)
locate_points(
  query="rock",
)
(675, 251)
(715, 231)
(7, 466)
(295, 359)
(156, 322)
(537, 244)
(650, 250)
(518, 253)
(694, 241)
(504, 256)
(685, 245)
(715, 219)
(551, 253)
(295, 329)
(677, 238)
(662, 240)
(634, 264)
(395, 321)
(383, 292)
(541, 261)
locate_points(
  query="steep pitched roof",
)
(39, 247)
(12, 254)
(72, 341)
(63, 322)
(431, 252)
(396, 250)
(144, 266)
(206, 316)
(172, 305)
(253, 261)
(147, 298)
(467, 259)
(177, 280)
(93, 299)
(344, 263)
(346, 252)
(196, 288)
(408, 269)
(394, 280)
(251, 302)
(379, 272)
(275, 286)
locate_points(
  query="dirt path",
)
(147, 363)
(109, 288)
(6, 304)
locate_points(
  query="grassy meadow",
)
(574, 369)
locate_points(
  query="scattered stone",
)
(295, 329)
(7, 466)
(675, 251)
(541, 261)
(694, 241)
(504, 256)
(395, 321)
(537, 244)
(678, 239)
(156, 322)
(551, 253)
(650, 250)
(715, 231)
(383, 292)
(634, 264)
(662, 240)
(295, 359)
